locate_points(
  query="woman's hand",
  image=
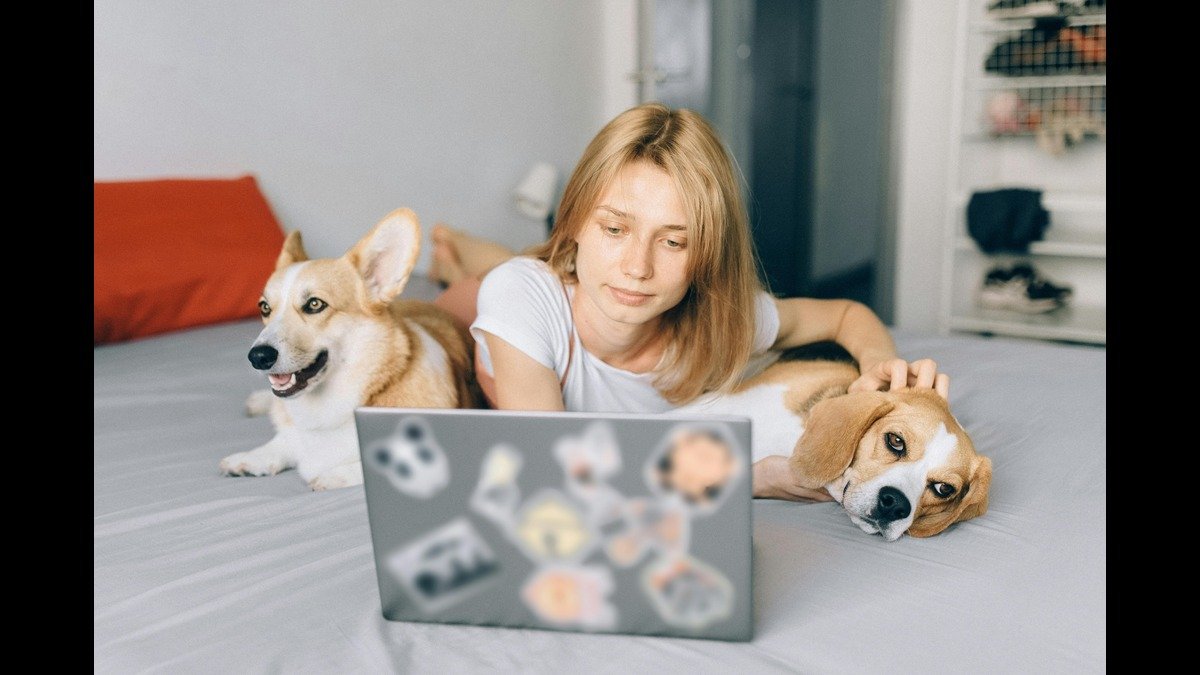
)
(772, 479)
(896, 373)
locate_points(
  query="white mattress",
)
(195, 572)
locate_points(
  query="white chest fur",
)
(774, 430)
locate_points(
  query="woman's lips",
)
(630, 298)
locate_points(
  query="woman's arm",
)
(771, 479)
(520, 382)
(854, 326)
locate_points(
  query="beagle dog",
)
(897, 461)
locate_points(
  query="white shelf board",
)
(1064, 249)
(1037, 81)
(1053, 200)
(1073, 323)
(1005, 25)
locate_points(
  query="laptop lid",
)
(612, 523)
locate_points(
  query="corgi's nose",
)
(263, 357)
(891, 505)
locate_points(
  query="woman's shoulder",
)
(522, 277)
(522, 268)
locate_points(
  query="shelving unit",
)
(1027, 144)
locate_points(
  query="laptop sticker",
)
(445, 566)
(696, 465)
(588, 461)
(687, 592)
(496, 494)
(411, 459)
(661, 525)
(572, 596)
(551, 528)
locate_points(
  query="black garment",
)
(1006, 220)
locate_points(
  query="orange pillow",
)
(172, 254)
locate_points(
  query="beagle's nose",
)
(262, 357)
(891, 505)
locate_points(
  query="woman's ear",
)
(832, 431)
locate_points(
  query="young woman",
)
(646, 296)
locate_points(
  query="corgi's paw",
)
(259, 403)
(341, 476)
(252, 464)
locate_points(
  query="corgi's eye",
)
(264, 308)
(943, 490)
(315, 306)
(895, 444)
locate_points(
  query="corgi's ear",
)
(292, 252)
(832, 431)
(386, 256)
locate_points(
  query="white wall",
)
(345, 111)
(924, 65)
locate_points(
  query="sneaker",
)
(1022, 9)
(1021, 289)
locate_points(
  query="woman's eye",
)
(942, 490)
(611, 229)
(671, 243)
(895, 444)
(314, 305)
(264, 308)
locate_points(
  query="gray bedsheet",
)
(195, 572)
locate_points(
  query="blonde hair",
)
(710, 333)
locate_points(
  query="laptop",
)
(605, 523)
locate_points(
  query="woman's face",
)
(633, 248)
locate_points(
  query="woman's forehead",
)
(643, 191)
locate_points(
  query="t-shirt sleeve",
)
(522, 302)
(766, 322)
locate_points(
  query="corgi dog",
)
(336, 337)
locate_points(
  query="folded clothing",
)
(1006, 220)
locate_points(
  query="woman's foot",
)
(457, 254)
(446, 267)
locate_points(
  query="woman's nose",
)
(637, 260)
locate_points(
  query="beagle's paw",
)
(341, 476)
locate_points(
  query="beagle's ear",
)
(831, 434)
(292, 252)
(386, 255)
(973, 502)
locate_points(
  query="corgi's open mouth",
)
(287, 384)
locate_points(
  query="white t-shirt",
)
(523, 302)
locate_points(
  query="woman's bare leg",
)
(457, 254)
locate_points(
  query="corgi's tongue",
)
(281, 381)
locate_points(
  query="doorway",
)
(800, 91)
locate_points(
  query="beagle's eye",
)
(943, 490)
(315, 306)
(895, 444)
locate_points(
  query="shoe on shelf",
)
(1021, 288)
(1022, 9)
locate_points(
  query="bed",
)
(195, 572)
